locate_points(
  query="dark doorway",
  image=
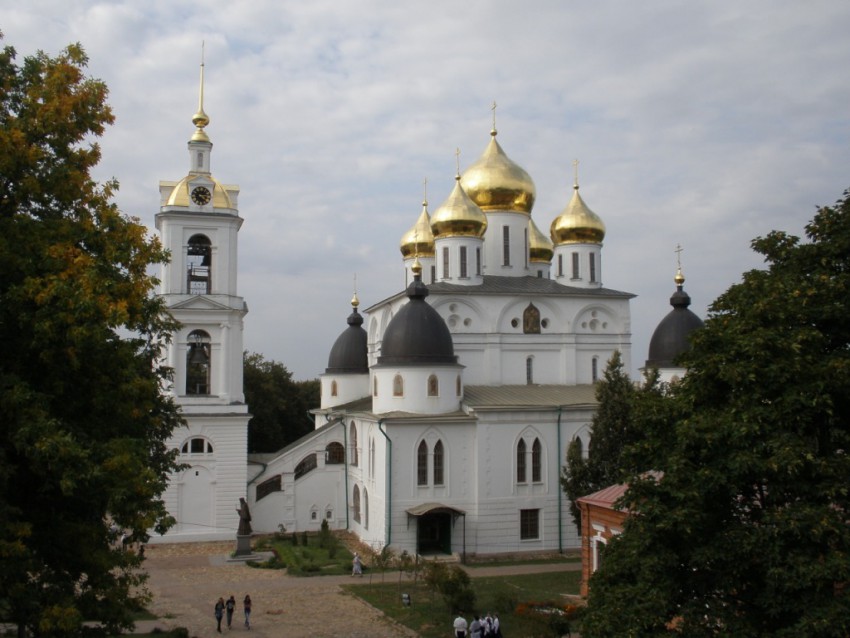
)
(435, 533)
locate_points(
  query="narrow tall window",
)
(445, 262)
(198, 363)
(463, 272)
(438, 463)
(506, 245)
(520, 461)
(526, 247)
(529, 524)
(355, 503)
(398, 386)
(374, 386)
(372, 458)
(198, 265)
(478, 261)
(200, 159)
(536, 461)
(433, 273)
(592, 257)
(529, 370)
(433, 386)
(422, 464)
(352, 436)
(560, 265)
(333, 388)
(575, 274)
(457, 385)
(594, 370)
(365, 508)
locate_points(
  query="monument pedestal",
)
(243, 545)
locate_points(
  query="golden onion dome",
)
(577, 224)
(540, 247)
(181, 192)
(419, 240)
(494, 182)
(458, 216)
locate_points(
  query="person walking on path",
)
(460, 627)
(356, 565)
(246, 606)
(219, 612)
(229, 606)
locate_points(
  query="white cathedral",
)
(444, 423)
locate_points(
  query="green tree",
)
(83, 419)
(746, 532)
(278, 404)
(614, 428)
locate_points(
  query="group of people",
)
(480, 627)
(225, 608)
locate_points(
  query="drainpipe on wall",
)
(388, 481)
(560, 490)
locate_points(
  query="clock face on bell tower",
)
(201, 195)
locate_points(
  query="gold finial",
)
(457, 162)
(493, 131)
(575, 174)
(201, 119)
(354, 300)
(425, 191)
(416, 268)
(679, 278)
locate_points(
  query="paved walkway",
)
(187, 579)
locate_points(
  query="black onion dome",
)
(417, 334)
(349, 353)
(671, 337)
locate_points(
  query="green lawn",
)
(507, 596)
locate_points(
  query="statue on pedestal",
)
(244, 519)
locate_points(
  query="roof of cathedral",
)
(540, 247)
(350, 353)
(528, 396)
(417, 335)
(498, 285)
(672, 336)
(419, 240)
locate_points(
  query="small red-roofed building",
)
(599, 523)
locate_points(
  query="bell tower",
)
(199, 224)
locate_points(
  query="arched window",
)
(365, 508)
(594, 369)
(307, 464)
(536, 461)
(439, 457)
(433, 386)
(199, 265)
(529, 370)
(196, 446)
(334, 453)
(355, 503)
(198, 363)
(333, 388)
(352, 435)
(520, 461)
(374, 386)
(422, 464)
(457, 385)
(269, 486)
(372, 458)
(398, 386)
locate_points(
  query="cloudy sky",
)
(704, 123)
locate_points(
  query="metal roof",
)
(529, 396)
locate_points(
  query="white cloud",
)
(699, 123)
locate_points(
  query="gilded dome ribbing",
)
(458, 216)
(419, 240)
(577, 224)
(540, 248)
(494, 182)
